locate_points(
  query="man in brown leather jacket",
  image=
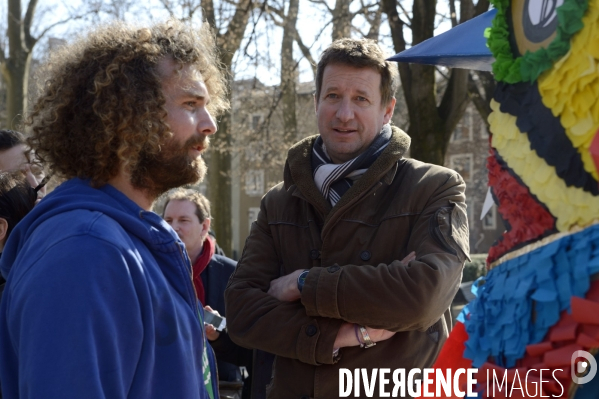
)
(357, 246)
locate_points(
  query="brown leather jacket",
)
(353, 251)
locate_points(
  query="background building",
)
(259, 153)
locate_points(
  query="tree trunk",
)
(219, 179)
(481, 93)
(288, 74)
(431, 125)
(16, 74)
(219, 190)
(15, 68)
(342, 19)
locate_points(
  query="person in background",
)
(98, 301)
(15, 155)
(17, 198)
(188, 212)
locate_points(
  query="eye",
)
(332, 95)
(190, 104)
(360, 98)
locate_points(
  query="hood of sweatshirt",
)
(78, 194)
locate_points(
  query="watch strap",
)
(368, 343)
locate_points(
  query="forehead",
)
(177, 208)
(346, 77)
(180, 77)
(13, 158)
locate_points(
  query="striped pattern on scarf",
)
(333, 180)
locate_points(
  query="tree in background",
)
(431, 121)
(16, 52)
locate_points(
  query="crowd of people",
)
(353, 262)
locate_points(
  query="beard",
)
(172, 167)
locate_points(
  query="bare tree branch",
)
(453, 15)
(29, 41)
(404, 12)
(231, 39)
(305, 51)
(375, 24)
(62, 22)
(480, 103)
(208, 9)
(322, 2)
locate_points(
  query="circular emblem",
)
(534, 23)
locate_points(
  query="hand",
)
(211, 333)
(377, 335)
(285, 288)
(410, 257)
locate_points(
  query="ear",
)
(3, 231)
(205, 226)
(389, 111)
(315, 103)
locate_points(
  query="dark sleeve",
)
(253, 314)
(228, 351)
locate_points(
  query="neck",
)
(194, 253)
(122, 182)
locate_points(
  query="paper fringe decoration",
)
(519, 300)
(526, 219)
(571, 206)
(571, 88)
(546, 134)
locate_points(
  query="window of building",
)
(254, 182)
(469, 211)
(490, 219)
(463, 131)
(252, 216)
(484, 133)
(462, 163)
(255, 121)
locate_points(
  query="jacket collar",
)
(298, 170)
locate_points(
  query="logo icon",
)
(583, 371)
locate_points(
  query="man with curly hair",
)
(99, 302)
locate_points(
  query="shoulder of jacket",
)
(413, 166)
(224, 262)
(83, 224)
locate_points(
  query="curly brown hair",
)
(360, 53)
(102, 105)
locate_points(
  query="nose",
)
(206, 123)
(345, 112)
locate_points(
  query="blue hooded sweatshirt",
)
(99, 303)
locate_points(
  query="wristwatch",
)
(368, 343)
(301, 279)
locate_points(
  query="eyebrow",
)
(334, 88)
(195, 95)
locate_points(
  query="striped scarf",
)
(333, 180)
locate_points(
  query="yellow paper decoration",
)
(571, 206)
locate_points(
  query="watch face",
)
(301, 279)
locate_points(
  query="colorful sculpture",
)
(539, 302)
